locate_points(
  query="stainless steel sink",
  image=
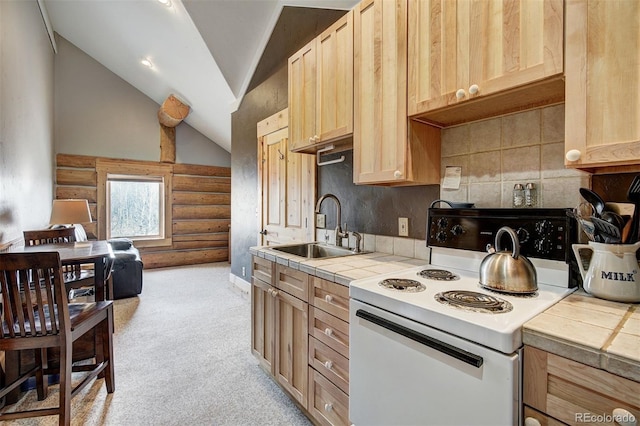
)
(315, 250)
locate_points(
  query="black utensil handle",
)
(436, 344)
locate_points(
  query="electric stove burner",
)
(438, 274)
(528, 295)
(473, 301)
(402, 284)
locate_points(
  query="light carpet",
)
(182, 357)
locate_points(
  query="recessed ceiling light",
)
(147, 63)
(166, 2)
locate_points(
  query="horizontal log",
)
(82, 192)
(181, 258)
(189, 245)
(200, 226)
(219, 236)
(201, 184)
(194, 198)
(199, 170)
(76, 177)
(201, 212)
(172, 111)
(78, 161)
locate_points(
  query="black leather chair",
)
(126, 274)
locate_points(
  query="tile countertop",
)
(341, 270)
(592, 331)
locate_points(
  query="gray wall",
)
(97, 113)
(26, 120)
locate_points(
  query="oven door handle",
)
(436, 344)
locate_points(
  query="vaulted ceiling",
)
(203, 51)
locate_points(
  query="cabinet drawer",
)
(329, 363)
(327, 404)
(573, 392)
(262, 269)
(331, 297)
(330, 330)
(292, 281)
(543, 419)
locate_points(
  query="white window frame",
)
(134, 170)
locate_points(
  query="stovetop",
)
(499, 329)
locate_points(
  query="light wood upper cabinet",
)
(464, 50)
(321, 88)
(602, 108)
(287, 182)
(387, 148)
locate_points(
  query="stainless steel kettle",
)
(508, 272)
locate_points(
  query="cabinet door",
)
(334, 105)
(263, 323)
(380, 91)
(302, 97)
(292, 339)
(602, 107)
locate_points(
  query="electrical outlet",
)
(244, 271)
(403, 226)
(321, 220)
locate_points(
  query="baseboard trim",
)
(242, 285)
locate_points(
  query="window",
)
(135, 206)
(134, 201)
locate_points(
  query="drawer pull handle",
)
(328, 332)
(530, 421)
(328, 298)
(328, 365)
(623, 417)
(328, 407)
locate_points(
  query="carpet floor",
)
(182, 356)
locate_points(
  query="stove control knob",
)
(523, 235)
(544, 227)
(543, 246)
(457, 230)
(442, 222)
(441, 237)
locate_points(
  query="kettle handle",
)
(514, 238)
(576, 251)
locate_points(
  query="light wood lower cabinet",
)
(300, 335)
(573, 393)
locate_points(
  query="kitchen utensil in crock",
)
(508, 272)
(609, 232)
(453, 204)
(633, 195)
(594, 199)
(612, 273)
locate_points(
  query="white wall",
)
(26, 120)
(99, 114)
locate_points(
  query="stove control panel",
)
(542, 233)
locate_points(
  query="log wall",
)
(200, 209)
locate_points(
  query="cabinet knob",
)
(474, 89)
(460, 94)
(274, 293)
(397, 174)
(573, 155)
(530, 421)
(316, 137)
(623, 417)
(328, 332)
(328, 365)
(328, 407)
(328, 298)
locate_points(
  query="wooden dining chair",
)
(75, 276)
(37, 316)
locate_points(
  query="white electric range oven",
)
(429, 346)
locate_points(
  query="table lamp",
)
(69, 212)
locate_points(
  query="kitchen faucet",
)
(339, 234)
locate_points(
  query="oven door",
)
(405, 373)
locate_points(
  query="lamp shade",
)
(69, 212)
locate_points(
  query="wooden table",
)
(98, 253)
